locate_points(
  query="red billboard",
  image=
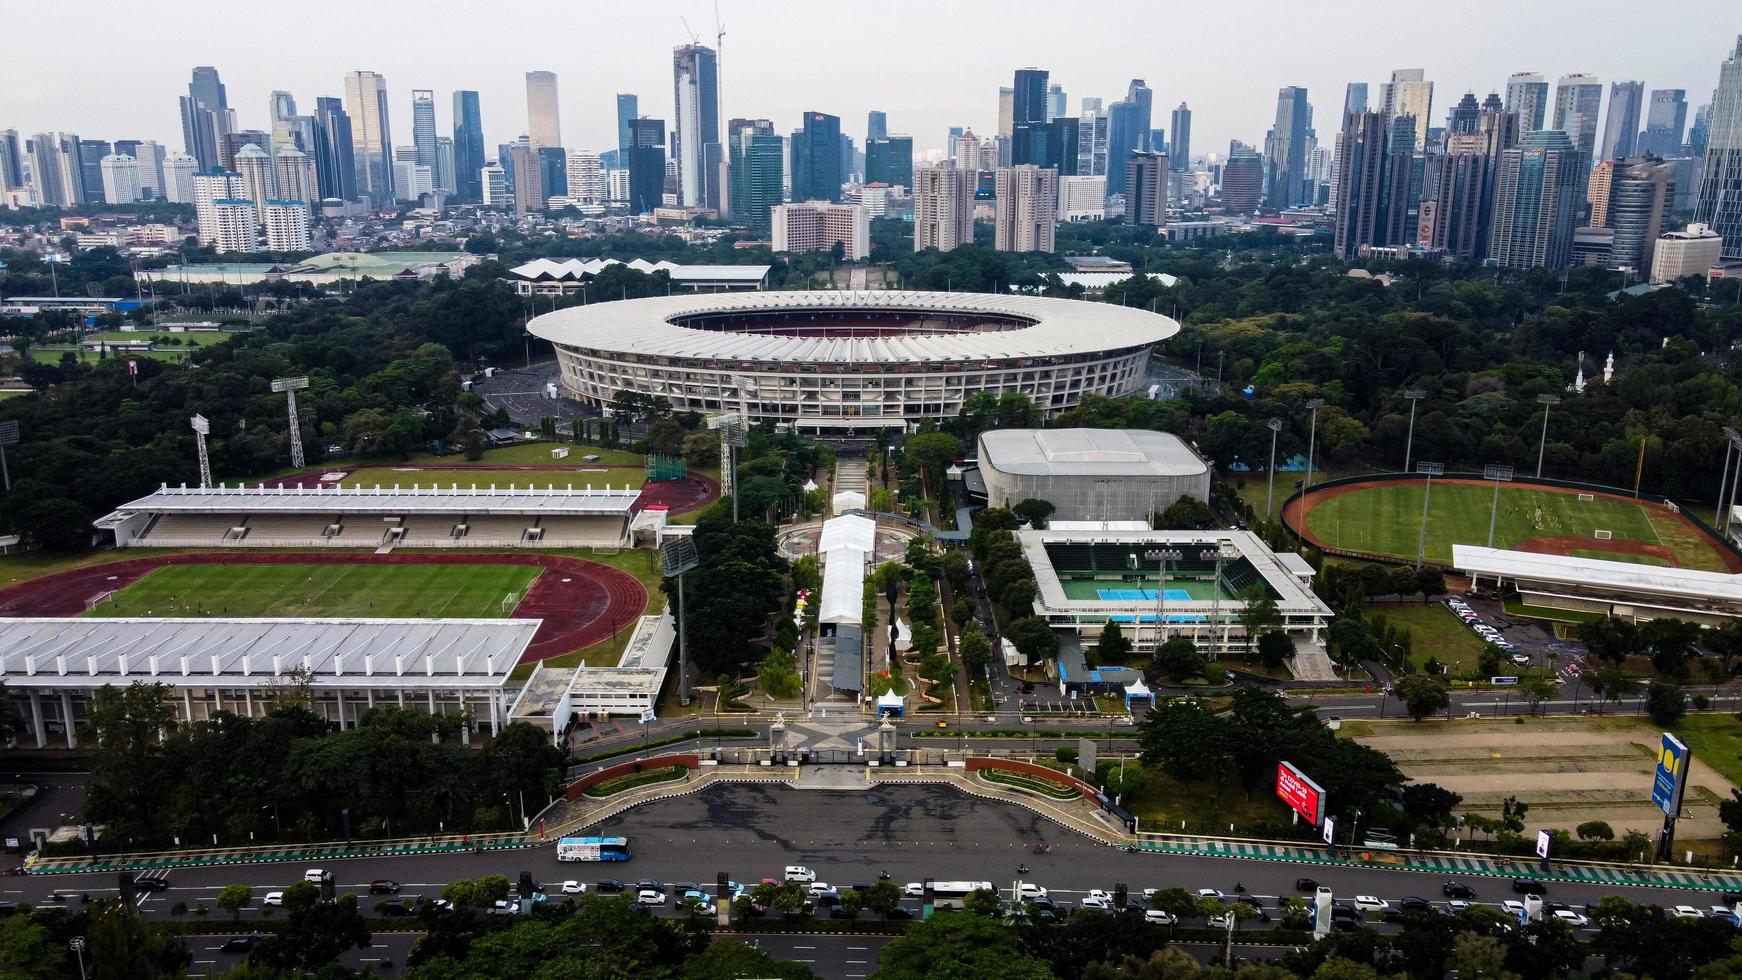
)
(1302, 795)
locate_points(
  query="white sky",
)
(113, 70)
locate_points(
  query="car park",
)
(574, 888)
(800, 873)
(1529, 886)
(1571, 918)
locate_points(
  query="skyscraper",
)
(543, 122)
(423, 127)
(1355, 98)
(1055, 101)
(444, 166)
(889, 160)
(1537, 201)
(1092, 133)
(1621, 128)
(1027, 207)
(1720, 202)
(1126, 134)
(1527, 95)
(1142, 100)
(586, 178)
(755, 151)
(943, 207)
(1028, 119)
(628, 107)
(1242, 183)
(178, 178)
(1597, 188)
(1460, 197)
(1665, 118)
(206, 88)
(120, 178)
(1146, 183)
(11, 160)
(696, 125)
(1409, 94)
(1641, 194)
(1179, 139)
(529, 190)
(294, 171)
(1361, 182)
(1288, 149)
(1464, 116)
(468, 146)
(259, 179)
(335, 161)
(371, 138)
(646, 165)
(280, 105)
(876, 125)
(817, 169)
(1006, 109)
(1577, 101)
(205, 116)
(90, 168)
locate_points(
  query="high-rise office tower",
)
(1092, 133)
(259, 180)
(233, 143)
(1142, 99)
(493, 181)
(1146, 183)
(1641, 195)
(1006, 109)
(1355, 98)
(1056, 101)
(207, 88)
(1409, 94)
(876, 125)
(1179, 139)
(371, 137)
(1028, 119)
(1460, 197)
(1537, 201)
(280, 105)
(756, 155)
(1027, 208)
(628, 107)
(1464, 116)
(90, 168)
(335, 160)
(943, 207)
(178, 178)
(294, 171)
(817, 169)
(1288, 149)
(1699, 131)
(1242, 183)
(423, 126)
(46, 165)
(11, 160)
(695, 136)
(1719, 204)
(468, 146)
(1127, 133)
(1527, 95)
(889, 160)
(205, 116)
(1360, 218)
(1597, 188)
(1577, 101)
(529, 191)
(543, 122)
(646, 165)
(1621, 128)
(444, 166)
(553, 169)
(1666, 115)
(120, 178)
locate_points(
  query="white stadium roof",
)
(1650, 580)
(255, 653)
(574, 269)
(606, 501)
(1056, 327)
(1088, 452)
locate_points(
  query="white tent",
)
(903, 636)
(851, 532)
(843, 588)
(892, 704)
(847, 500)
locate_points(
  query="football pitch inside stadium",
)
(425, 591)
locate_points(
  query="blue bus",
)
(593, 849)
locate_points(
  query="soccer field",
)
(408, 476)
(1386, 520)
(370, 591)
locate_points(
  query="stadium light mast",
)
(732, 437)
(8, 437)
(1161, 556)
(1312, 438)
(677, 555)
(1431, 470)
(1499, 474)
(1414, 395)
(1720, 513)
(202, 428)
(1225, 551)
(290, 386)
(1275, 426)
(1542, 444)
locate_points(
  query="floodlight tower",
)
(733, 436)
(677, 555)
(1430, 470)
(8, 437)
(290, 386)
(202, 428)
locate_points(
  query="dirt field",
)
(1569, 770)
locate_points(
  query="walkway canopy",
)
(843, 588)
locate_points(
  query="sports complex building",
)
(843, 362)
(1187, 583)
(1091, 474)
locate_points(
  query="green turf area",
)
(1518, 607)
(376, 591)
(1602, 555)
(409, 475)
(1434, 632)
(1386, 520)
(536, 453)
(1716, 740)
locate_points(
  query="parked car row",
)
(1473, 619)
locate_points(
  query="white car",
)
(1687, 912)
(1210, 893)
(820, 888)
(1101, 893)
(1458, 905)
(273, 898)
(1149, 894)
(800, 873)
(505, 906)
(913, 889)
(1158, 917)
(1513, 906)
(1724, 912)
(315, 875)
(648, 896)
(1028, 891)
(1222, 921)
(1369, 903)
(574, 888)
(1572, 918)
(1098, 901)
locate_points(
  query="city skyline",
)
(1469, 55)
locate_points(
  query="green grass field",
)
(375, 591)
(1386, 520)
(1434, 632)
(600, 476)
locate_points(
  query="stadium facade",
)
(850, 362)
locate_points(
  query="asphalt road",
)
(209, 957)
(59, 798)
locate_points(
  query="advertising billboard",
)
(1302, 795)
(1671, 778)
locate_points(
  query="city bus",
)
(950, 894)
(593, 849)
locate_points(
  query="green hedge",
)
(668, 740)
(1045, 787)
(611, 787)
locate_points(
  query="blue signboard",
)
(1671, 777)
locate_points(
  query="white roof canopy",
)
(843, 587)
(851, 531)
(1596, 573)
(452, 499)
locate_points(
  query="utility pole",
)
(202, 428)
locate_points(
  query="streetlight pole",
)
(1414, 395)
(1275, 426)
(1431, 470)
(1542, 445)
(1312, 441)
(1499, 474)
(77, 945)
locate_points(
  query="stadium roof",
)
(1597, 573)
(1292, 596)
(1055, 327)
(1088, 452)
(588, 500)
(576, 269)
(256, 653)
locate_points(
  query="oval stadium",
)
(850, 362)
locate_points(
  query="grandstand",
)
(345, 517)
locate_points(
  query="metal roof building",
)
(552, 277)
(1091, 474)
(1611, 588)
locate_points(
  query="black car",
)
(609, 885)
(240, 944)
(679, 887)
(1529, 886)
(383, 886)
(1457, 889)
(151, 884)
(8, 908)
(650, 883)
(395, 907)
(1344, 910)
(1251, 900)
(828, 901)
(903, 912)
(1306, 885)
(1733, 898)
(1041, 914)
(1043, 902)
(1414, 903)
(840, 912)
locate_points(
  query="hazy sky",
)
(113, 70)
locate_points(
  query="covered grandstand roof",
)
(239, 653)
(1088, 452)
(1054, 327)
(1645, 580)
(586, 500)
(575, 269)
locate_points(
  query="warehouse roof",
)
(1088, 452)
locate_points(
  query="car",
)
(1306, 885)
(827, 900)
(394, 907)
(240, 944)
(1686, 912)
(1210, 893)
(1159, 917)
(609, 886)
(697, 902)
(649, 896)
(1046, 915)
(1457, 889)
(1513, 906)
(819, 888)
(900, 912)
(315, 875)
(1370, 903)
(734, 889)
(151, 884)
(1028, 890)
(383, 886)
(1724, 912)
(1457, 905)
(1414, 903)
(1571, 918)
(1732, 898)
(574, 888)
(505, 906)
(273, 898)
(800, 873)
(1097, 900)
(8, 908)
(685, 886)
(913, 889)
(1529, 886)
(840, 912)
(650, 884)
(1251, 900)
(439, 905)
(1521, 659)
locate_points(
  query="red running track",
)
(678, 496)
(580, 601)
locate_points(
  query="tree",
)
(1186, 513)
(233, 899)
(729, 960)
(933, 451)
(1664, 703)
(1670, 643)
(1184, 739)
(1429, 805)
(1035, 511)
(1597, 830)
(1258, 614)
(665, 438)
(1178, 659)
(952, 946)
(1536, 690)
(304, 894)
(779, 674)
(28, 952)
(121, 944)
(1609, 638)
(883, 897)
(1274, 648)
(315, 936)
(1113, 646)
(1033, 638)
(973, 648)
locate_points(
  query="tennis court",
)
(1178, 590)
